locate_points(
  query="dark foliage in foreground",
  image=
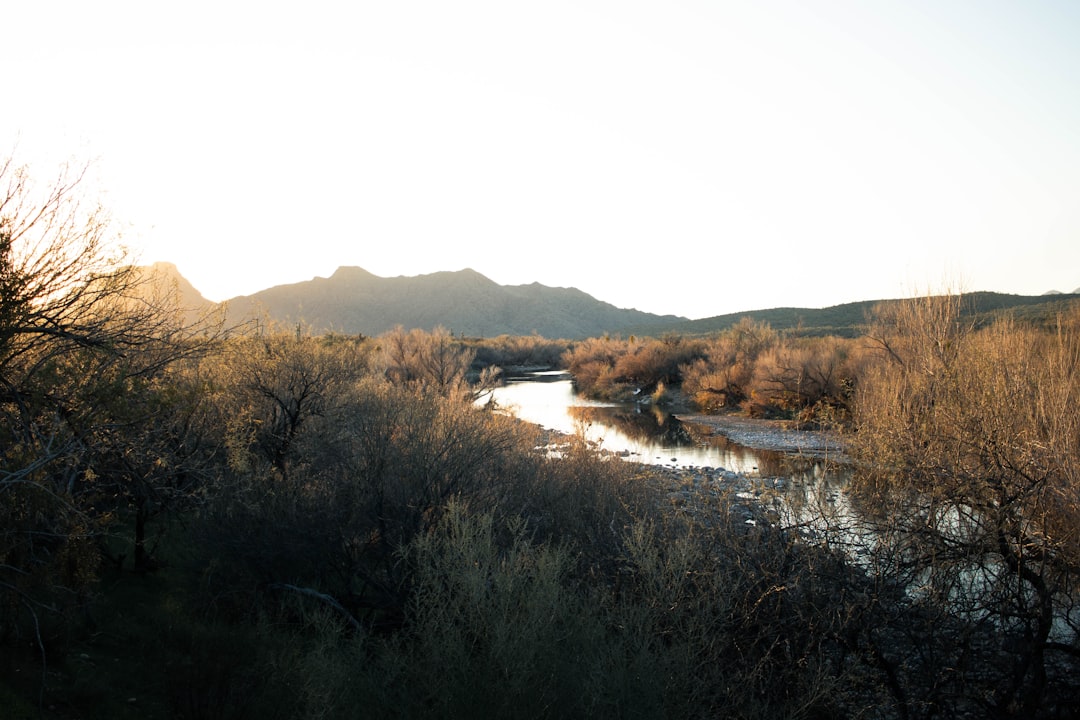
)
(277, 525)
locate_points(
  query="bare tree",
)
(85, 338)
(278, 383)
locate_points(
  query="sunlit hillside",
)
(354, 301)
(849, 319)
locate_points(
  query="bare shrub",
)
(275, 384)
(652, 363)
(583, 499)
(801, 376)
(434, 360)
(746, 621)
(968, 442)
(592, 363)
(90, 421)
(724, 377)
(498, 623)
(368, 473)
(692, 621)
(523, 351)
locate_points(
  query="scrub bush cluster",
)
(201, 522)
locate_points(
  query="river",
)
(813, 498)
(639, 432)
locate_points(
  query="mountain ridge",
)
(850, 319)
(353, 300)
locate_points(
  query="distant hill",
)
(849, 319)
(163, 280)
(352, 301)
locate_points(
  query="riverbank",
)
(751, 496)
(774, 435)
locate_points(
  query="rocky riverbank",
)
(774, 435)
(752, 496)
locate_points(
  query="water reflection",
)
(639, 432)
(813, 498)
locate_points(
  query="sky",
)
(694, 158)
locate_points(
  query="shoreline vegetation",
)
(201, 521)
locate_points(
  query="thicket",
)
(969, 450)
(206, 524)
(610, 368)
(518, 352)
(748, 368)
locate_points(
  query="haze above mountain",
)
(355, 301)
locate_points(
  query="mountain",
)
(849, 319)
(168, 274)
(352, 301)
(162, 282)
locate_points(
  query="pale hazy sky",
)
(694, 158)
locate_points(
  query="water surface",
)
(636, 431)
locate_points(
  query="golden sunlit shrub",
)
(521, 351)
(723, 378)
(592, 363)
(435, 360)
(651, 362)
(969, 444)
(799, 375)
(615, 369)
(597, 379)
